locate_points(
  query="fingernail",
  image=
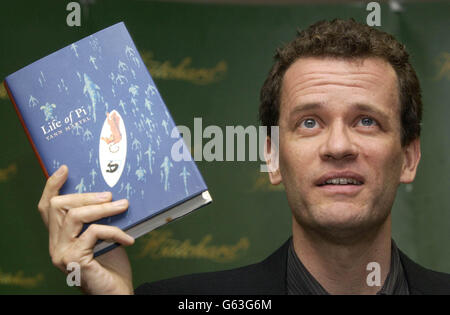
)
(103, 195)
(120, 203)
(59, 172)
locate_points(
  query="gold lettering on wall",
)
(160, 244)
(3, 94)
(18, 279)
(184, 70)
(7, 173)
(443, 63)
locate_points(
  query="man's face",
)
(340, 152)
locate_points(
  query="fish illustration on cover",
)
(94, 107)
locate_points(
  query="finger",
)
(70, 201)
(57, 214)
(96, 232)
(55, 221)
(51, 189)
(75, 218)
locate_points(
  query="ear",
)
(271, 156)
(411, 161)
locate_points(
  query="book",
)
(94, 107)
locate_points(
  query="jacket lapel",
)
(424, 281)
(273, 268)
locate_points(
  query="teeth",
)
(343, 181)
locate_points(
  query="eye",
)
(308, 123)
(367, 122)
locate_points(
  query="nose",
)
(338, 144)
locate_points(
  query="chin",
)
(342, 222)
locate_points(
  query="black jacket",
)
(269, 278)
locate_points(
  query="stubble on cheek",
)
(388, 181)
(295, 179)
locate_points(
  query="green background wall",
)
(210, 61)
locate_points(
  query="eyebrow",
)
(371, 109)
(357, 106)
(306, 107)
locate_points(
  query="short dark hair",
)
(346, 39)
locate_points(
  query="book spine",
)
(11, 97)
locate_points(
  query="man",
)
(348, 106)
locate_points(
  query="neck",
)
(341, 267)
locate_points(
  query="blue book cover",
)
(94, 107)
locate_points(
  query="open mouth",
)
(347, 183)
(341, 181)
